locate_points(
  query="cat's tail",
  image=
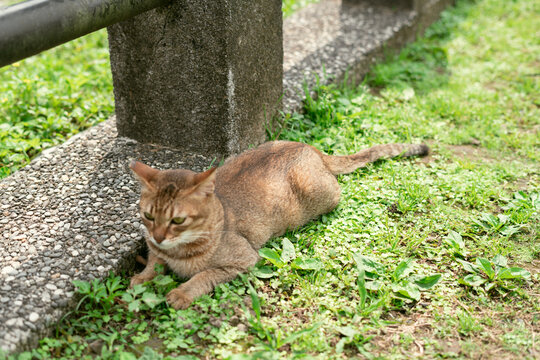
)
(349, 163)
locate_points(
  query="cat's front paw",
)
(138, 279)
(178, 299)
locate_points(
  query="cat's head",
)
(175, 204)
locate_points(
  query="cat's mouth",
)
(185, 237)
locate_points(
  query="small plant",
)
(522, 207)
(286, 257)
(467, 324)
(274, 338)
(455, 243)
(497, 224)
(375, 277)
(493, 275)
(98, 293)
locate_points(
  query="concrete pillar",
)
(199, 76)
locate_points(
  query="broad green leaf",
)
(263, 272)
(491, 219)
(469, 267)
(369, 266)
(163, 280)
(407, 290)
(374, 285)
(255, 302)
(486, 266)
(341, 344)
(272, 256)
(289, 339)
(306, 264)
(361, 283)
(375, 305)
(521, 195)
(535, 201)
(125, 356)
(490, 286)
(83, 287)
(159, 268)
(500, 261)
(134, 306)
(288, 252)
(151, 299)
(455, 241)
(347, 331)
(137, 289)
(403, 269)
(503, 219)
(510, 230)
(514, 273)
(472, 280)
(427, 282)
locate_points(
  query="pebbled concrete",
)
(71, 213)
(333, 39)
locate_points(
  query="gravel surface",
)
(70, 214)
(334, 37)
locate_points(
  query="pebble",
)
(50, 287)
(33, 317)
(8, 270)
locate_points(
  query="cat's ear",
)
(205, 182)
(145, 173)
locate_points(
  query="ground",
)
(434, 257)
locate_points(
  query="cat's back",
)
(269, 161)
(260, 191)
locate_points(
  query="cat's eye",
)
(178, 220)
(148, 216)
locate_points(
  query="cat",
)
(209, 226)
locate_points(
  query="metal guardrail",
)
(33, 26)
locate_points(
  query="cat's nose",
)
(159, 237)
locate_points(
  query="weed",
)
(493, 275)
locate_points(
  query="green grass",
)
(290, 6)
(47, 98)
(435, 257)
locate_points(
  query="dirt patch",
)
(520, 184)
(426, 159)
(534, 268)
(470, 152)
(503, 334)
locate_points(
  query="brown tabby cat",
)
(208, 226)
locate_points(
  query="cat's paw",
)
(178, 299)
(138, 279)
